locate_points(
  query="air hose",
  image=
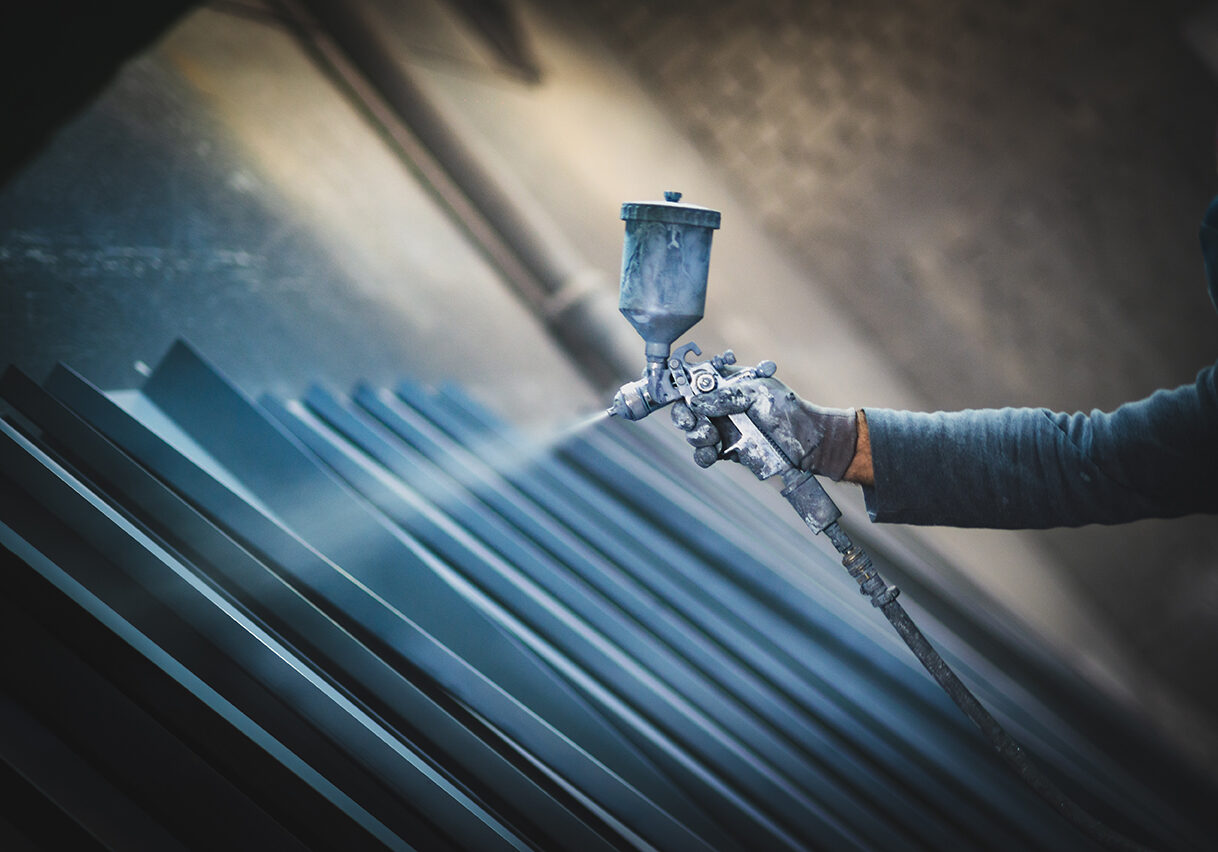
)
(884, 597)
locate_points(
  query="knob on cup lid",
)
(671, 211)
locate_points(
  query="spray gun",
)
(665, 263)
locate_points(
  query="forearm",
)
(1035, 468)
(1006, 468)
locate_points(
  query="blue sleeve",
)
(1032, 468)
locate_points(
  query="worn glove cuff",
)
(832, 453)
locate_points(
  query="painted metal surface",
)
(436, 633)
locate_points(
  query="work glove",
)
(817, 440)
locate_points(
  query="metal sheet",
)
(565, 645)
(616, 653)
(202, 631)
(845, 674)
(382, 690)
(392, 635)
(805, 733)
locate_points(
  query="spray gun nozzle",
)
(632, 402)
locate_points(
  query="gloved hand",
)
(818, 440)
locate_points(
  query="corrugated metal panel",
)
(386, 619)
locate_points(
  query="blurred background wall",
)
(931, 205)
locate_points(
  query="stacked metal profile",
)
(385, 620)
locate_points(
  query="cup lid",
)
(670, 211)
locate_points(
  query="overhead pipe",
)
(540, 264)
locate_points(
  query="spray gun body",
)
(665, 264)
(747, 443)
(679, 378)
